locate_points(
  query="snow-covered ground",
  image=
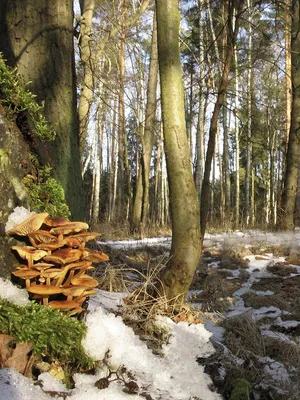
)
(176, 375)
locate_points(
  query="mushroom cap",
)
(26, 273)
(71, 242)
(22, 266)
(64, 256)
(94, 256)
(29, 252)
(42, 266)
(89, 292)
(41, 236)
(50, 246)
(29, 225)
(51, 273)
(80, 264)
(85, 280)
(64, 304)
(85, 237)
(44, 290)
(56, 221)
(71, 227)
(73, 290)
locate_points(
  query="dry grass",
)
(118, 231)
(281, 269)
(243, 337)
(257, 301)
(286, 352)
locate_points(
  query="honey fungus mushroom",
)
(26, 274)
(57, 261)
(72, 227)
(29, 225)
(30, 254)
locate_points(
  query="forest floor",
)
(248, 294)
(238, 339)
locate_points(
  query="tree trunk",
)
(141, 211)
(37, 37)
(201, 113)
(237, 141)
(231, 38)
(15, 164)
(292, 159)
(185, 250)
(121, 199)
(249, 111)
(149, 137)
(87, 88)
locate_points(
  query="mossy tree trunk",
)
(185, 250)
(37, 37)
(286, 216)
(14, 166)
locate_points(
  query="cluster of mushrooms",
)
(55, 265)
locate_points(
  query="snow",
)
(12, 293)
(174, 376)
(17, 216)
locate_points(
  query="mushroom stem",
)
(30, 262)
(70, 277)
(62, 276)
(45, 301)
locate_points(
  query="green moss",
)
(15, 96)
(241, 389)
(45, 193)
(51, 333)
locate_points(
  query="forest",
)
(150, 118)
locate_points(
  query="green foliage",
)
(51, 333)
(15, 95)
(45, 193)
(241, 389)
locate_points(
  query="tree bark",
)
(249, 111)
(201, 112)
(87, 88)
(185, 250)
(37, 38)
(293, 151)
(237, 141)
(231, 37)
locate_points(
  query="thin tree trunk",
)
(232, 34)
(237, 142)
(185, 250)
(87, 88)
(292, 159)
(97, 168)
(158, 172)
(149, 137)
(121, 198)
(201, 113)
(226, 171)
(249, 111)
(114, 164)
